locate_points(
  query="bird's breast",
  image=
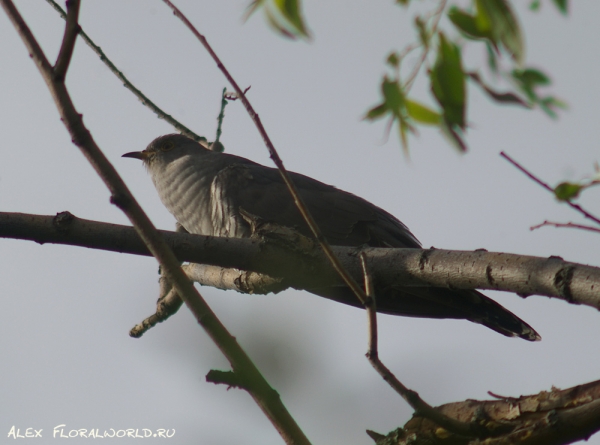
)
(190, 191)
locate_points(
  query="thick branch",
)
(525, 275)
(549, 418)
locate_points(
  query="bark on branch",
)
(549, 418)
(306, 267)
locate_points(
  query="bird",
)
(209, 193)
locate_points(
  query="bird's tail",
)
(496, 317)
(436, 302)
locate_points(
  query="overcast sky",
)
(66, 354)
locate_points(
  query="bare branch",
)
(565, 225)
(371, 308)
(166, 306)
(309, 269)
(127, 84)
(265, 396)
(243, 281)
(69, 38)
(552, 417)
(421, 407)
(550, 189)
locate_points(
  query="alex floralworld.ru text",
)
(61, 432)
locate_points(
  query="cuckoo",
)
(209, 192)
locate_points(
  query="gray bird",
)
(206, 192)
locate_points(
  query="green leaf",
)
(376, 112)
(454, 137)
(562, 6)
(424, 36)
(492, 60)
(467, 24)
(535, 5)
(567, 190)
(503, 26)
(531, 77)
(483, 20)
(290, 9)
(393, 59)
(276, 25)
(403, 129)
(528, 79)
(402, 2)
(422, 114)
(550, 105)
(252, 7)
(448, 82)
(393, 97)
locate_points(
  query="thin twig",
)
(567, 225)
(550, 189)
(68, 44)
(216, 145)
(371, 308)
(266, 397)
(437, 14)
(421, 407)
(350, 282)
(127, 84)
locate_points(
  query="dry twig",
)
(421, 407)
(565, 225)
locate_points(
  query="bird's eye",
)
(167, 146)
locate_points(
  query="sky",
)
(67, 357)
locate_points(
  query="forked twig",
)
(127, 84)
(550, 189)
(421, 407)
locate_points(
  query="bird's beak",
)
(136, 155)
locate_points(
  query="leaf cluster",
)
(491, 22)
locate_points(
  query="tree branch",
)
(566, 225)
(68, 44)
(555, 417)
(127, 84)
(309, 268)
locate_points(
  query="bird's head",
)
(165, 149)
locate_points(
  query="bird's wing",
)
(344, 219)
